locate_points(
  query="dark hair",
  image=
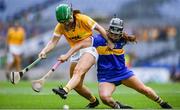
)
(129, 38)
(76, 12)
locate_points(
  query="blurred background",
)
(155, 23)
(29, 24)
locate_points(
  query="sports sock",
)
(66, 89)
(92, 99)
(159, 100)
(116, 106)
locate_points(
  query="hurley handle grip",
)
(31, 65)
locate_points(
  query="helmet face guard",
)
(115, 30)
(63, 13)
(116, 26)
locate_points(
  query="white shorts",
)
(92, 50)
(16, 49)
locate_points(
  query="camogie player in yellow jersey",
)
(15, 40)
(76, 27)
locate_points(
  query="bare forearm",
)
(102, 31)
(51, 45)
(73, 50)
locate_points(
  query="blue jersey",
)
(111, 63)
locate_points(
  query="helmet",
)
(63, 13)
(116, 26)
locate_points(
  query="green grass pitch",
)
(21, 96)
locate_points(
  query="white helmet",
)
(116, 26)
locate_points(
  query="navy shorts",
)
(114, 77)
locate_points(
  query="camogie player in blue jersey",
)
(111, 68)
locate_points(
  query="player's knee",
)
(78, 71)
(105, 97)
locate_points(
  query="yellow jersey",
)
(83, 29)
(15, 36)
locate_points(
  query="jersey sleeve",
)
(58, 30)
(98, 40)
(89, 22)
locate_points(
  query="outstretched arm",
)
(83, 44)
(49, 47)
(103, 32)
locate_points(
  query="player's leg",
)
(106, 90)
(86, 93)
(88, 57)
(9, 64)
(136, 84)
(83, 65)
(82, 89)
(76, 82)
(17, 62)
